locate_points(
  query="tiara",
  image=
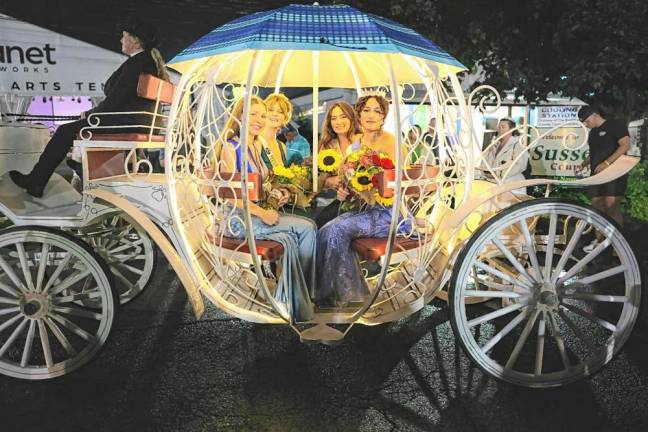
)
(373, 92)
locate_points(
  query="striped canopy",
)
(330, 30)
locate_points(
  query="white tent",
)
(38, 62)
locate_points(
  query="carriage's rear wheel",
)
(555, 313)
(44, 276)
(128, 251)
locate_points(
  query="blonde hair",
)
(283, 102)
(328, 134)
(160, 66)
(232, 129)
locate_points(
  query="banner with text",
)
(37, 62)
(559, 153)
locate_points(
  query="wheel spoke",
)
(596, 297)
(492, 294)
(577, 331)
(12, 275)
(555, 332)
(65, 343)
(509, 256)
(502, 333)
(7, 311)
(495, 314)
(126, 246)
(9, 322)
(580, 226)
(10, 301)
(522, 340)
(502, 275)
(44, 338)
(76, 311)
(13, 336)
(70, 280)
(42, 266)
(550, 246)
(57, 272)
(540, 346)
(591, 317)
(495, 285)
(20, 248)
(584, 261)
(115, 271)
(73, 327)
(531, 248)
(29, 342)
(87, 295)
(602, 275)
(132, 269)
(9, 290)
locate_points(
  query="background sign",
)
(38, 62)
(557, 153)
(553, 116)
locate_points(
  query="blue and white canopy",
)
(344, 36)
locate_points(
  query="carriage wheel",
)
(44, 274)
(128, 251)
(556, 314)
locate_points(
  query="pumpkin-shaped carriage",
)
(525, 303)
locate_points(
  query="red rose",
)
(375, 159)
(375, 181)
(386, 163)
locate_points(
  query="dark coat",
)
(121, 92)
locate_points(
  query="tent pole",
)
(315, 116)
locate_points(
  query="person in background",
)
(298, 147)
(608, 140)
(508, 157)
(139, 41)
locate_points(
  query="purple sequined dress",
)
(339, 276)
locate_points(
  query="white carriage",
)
(525, 303)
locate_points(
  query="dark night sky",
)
(179, 22)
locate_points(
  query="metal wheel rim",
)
(599, 356)
(44, 332)
(128, 251)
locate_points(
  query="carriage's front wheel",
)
(555, 313)
(45, 277)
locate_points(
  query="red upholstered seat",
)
(124, 137)
(267, 249)
(372, 249)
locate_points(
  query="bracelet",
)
(607, 162)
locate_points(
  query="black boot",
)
(23, 181)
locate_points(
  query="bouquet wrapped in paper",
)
(296, 179)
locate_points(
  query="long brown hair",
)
(328, 134)
(160, 66)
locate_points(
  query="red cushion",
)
(372, 249)
(123, 137)
(268, 250)
(149, 86)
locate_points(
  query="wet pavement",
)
(162, 370)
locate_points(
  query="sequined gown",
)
(298, 237)
(339, 276)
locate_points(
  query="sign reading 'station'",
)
(554, 116)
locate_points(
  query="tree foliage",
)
(596, 50)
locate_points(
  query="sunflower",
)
(329, 160)
(281, 171)
(361, 181)
(381, 200)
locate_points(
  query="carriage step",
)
(321, 333)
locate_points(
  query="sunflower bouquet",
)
(296, 179)
(360, 170)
